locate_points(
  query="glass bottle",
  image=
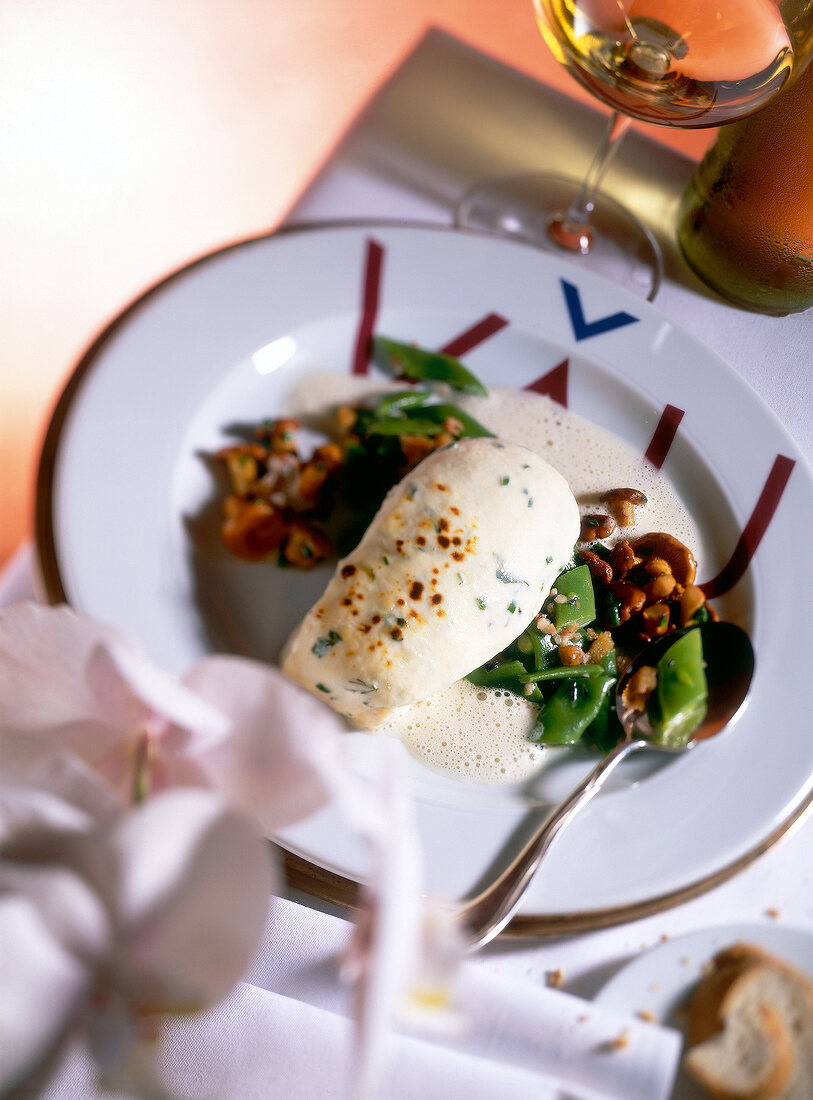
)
(745, 225)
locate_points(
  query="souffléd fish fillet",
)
(456, 563)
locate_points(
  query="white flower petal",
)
(283, 760)
(43, 651)
(73, 915)
(126, 1060)
(385, 950)
(190, 895)
(132, 690)
(41, 988)
(42, 841)
(67, 777)
(27, 811)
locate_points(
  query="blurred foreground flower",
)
(71, 685)
(109, 922)
(119, 912)
(405, 953)
(111, 916)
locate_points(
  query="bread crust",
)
(744, 1042)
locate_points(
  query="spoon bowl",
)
(728, 662)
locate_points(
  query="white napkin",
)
(560, 1039)
(260, 1046)
(285, 1032)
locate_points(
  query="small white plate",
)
(127, 522)
(660, 981)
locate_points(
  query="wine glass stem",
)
(571, 230)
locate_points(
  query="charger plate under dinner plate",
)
(127, 527)
(659, 982)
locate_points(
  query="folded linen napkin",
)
(286, 1032)
(564, 1042)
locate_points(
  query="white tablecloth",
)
(285, 1033)
(449, 117)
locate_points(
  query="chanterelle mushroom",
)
(622, 502)
(678, 557)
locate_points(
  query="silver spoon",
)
(729, 661)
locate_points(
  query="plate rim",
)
(300, 873)
(727, 932)
(671, 969)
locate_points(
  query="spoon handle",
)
(483, 917)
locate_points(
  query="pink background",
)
(139, 134)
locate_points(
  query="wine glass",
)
(688, 63)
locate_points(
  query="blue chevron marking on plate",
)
(583, 329)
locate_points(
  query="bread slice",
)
(751, 1028)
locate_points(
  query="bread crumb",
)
(585, 1016)
(654, 987)
(773, 913)
(647, 1015)
(555, 978)
(620, 1042)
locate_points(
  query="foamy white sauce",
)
(480, 734)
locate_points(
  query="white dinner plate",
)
(660, 981)
(127, 524)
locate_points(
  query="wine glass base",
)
(622, 249)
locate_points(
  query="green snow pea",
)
(605, 731)
(678, 704)
(471, 428)
(542, 646)
(504, 675)
(488, 677)
(579, 605)
(404, 425)
(394, 403)
(409, 361)
(575, 705)
(561, 672)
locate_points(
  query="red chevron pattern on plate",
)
(553, 384)
(371, 288)
(663, 436)
(754, 530)
(472, 337)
